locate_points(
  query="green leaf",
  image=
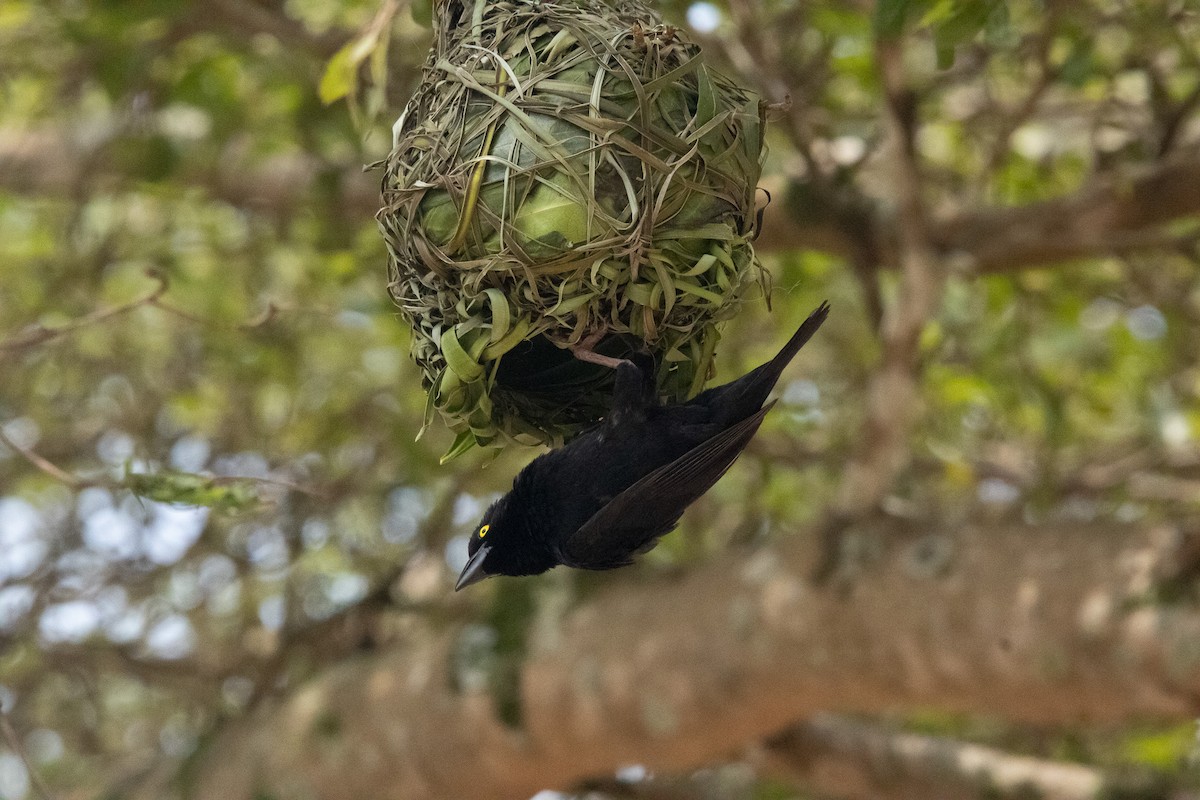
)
(458, 359)
(194, 490)
(340, 75)
(890, 16)
(501, 315)
(422, 12)
(462, 443)
(1080, 63)
(706, 100)
(956, 22)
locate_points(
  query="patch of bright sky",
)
(997, 492)
(272, 612)
(45, 746)
(23, 431)
(14, 780)
(467, 510)
(15, 603)
(183, 589)
(113, 533)
(171, 637)
(347, 588)
(1175, 429)
(111, 603)
(22, 550)
(332, 593)
(126, 627)
(190, 453)
(456, 553)
(267, 549)
(1146, 323)
(111, 530)
(216, 572)
(703, 17)
(242, 465)
(172, 531)
(120, 531)
(73, 621)
(175, 738)
(226, 601)
(801, 392)
(80, 572)
(406, 508)
(315, 533)
(115, 447)
(632, 773)
(1100, 314)
(183, 121)
(354, 319)
(847, 150)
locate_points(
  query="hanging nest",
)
(566, 172)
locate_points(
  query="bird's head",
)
(480, 547)
(503, 544)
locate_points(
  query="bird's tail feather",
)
(746, 395)
(800, 338)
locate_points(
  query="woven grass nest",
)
(567, 172)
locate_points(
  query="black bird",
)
(611, 492)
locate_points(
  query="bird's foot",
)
(585, 351)
(593, 357)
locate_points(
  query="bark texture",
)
(1116, 212)
(1053, 625)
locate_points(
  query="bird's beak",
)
(474, 572)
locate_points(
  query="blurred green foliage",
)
(270, 384)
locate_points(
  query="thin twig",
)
(311, 491)
(75, 482)
(1015, 118)
(264, 317)
(899, 764)
(43, 464)
(39, 334)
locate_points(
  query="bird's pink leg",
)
(584, 352)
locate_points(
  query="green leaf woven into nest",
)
(565, 168)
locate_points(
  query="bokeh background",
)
(958, 561)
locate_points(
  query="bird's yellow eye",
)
(483, 531)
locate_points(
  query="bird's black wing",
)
(652, 506)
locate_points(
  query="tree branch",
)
(52, 162)
(1044, 625)
(247, 19)
(892, 390)
(1094, 221)
(869, 760)
(42, 464)
(37, 335)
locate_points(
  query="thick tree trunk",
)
(1054, 625)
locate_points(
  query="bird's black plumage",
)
(611, 492)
